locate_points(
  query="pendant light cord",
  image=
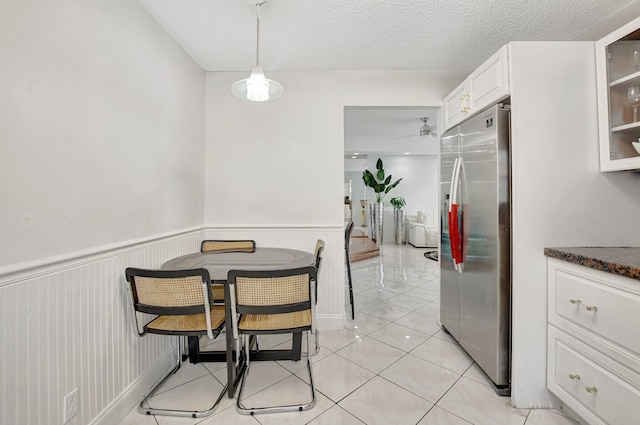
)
(258, 5)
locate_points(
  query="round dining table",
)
(218, 264)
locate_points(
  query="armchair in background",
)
(423, 230)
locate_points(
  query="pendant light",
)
(257, 87)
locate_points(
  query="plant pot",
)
(400, 226)
(376, 215)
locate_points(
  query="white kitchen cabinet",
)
(488, 84)
(454, 108)
(594, 343)
(618, 70)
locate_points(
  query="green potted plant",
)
(381, 185)
(398, 204)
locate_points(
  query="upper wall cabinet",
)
(486, 85)
(618, 74)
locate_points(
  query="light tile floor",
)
(393, 365)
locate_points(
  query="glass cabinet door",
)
(618, 60)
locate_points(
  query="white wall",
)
(101, 162)
(419, 187)
(102, 128)
(278, 166)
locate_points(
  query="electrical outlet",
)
(70, 406)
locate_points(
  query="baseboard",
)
(330, 321)
(130, 397)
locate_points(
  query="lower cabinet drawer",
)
(599, 389)
(606, 311)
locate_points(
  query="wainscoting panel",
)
(67, 325)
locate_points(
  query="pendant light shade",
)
(257, 87)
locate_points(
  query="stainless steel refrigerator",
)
(475, 258)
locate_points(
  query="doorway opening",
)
(392, 134)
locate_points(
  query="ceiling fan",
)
(424, 131)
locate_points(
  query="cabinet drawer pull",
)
(575, 377)
(591, 390)
(575, 301)
(592, 308)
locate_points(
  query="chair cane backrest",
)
(271, 292)
(176, 297)
(169, 292)
(228, 246)
(282, 288)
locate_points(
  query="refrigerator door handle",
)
(462, 240)
(454, 217)
(454, 182)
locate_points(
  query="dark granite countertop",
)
(617, 260)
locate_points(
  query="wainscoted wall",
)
(66, 324)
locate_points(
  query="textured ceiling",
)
(452, 35)
(455, 35)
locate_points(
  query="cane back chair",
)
(180, 304)
(225, 245)
(228, 246)
(272, 302)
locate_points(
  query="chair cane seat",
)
(195, 324)
(268, 322)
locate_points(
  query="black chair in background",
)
(347, 240)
